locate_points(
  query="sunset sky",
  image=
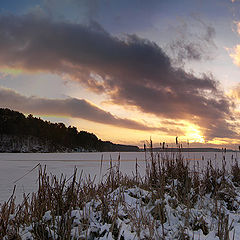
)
(126, 70)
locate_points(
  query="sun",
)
(194, 134)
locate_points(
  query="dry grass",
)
(164, 176)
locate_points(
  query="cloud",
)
(235, 54)
(130, 70)
(70, 107)
(189, 45)
(186, 51)
(235, 92)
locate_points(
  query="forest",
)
(13, 123)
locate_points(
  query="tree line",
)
(17, 124)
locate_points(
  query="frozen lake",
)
(14, 166)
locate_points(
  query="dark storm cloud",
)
(130, 71)
(71, 107)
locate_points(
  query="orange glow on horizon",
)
(194, 134)
(191, 133)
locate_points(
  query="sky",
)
(126, 71)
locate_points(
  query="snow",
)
(47, 216)
(14, 166)
(133, 207)
(141, 212)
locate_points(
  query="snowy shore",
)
(172, 200)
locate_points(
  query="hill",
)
(30, 134)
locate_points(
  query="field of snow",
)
(171, 202)
(13, 166)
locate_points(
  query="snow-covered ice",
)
(14, 166)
